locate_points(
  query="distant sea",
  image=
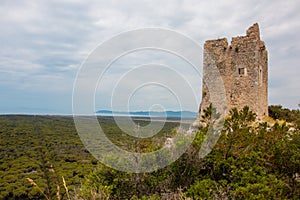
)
(166, 114)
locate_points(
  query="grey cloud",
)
(50, 39)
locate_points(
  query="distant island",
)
(168, 114)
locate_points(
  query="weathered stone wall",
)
(243, 67)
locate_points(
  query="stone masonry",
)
(243, 67)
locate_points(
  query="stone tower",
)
(243, 67)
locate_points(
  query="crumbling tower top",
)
(253, 31)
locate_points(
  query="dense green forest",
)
(47, 148)
(42, 157)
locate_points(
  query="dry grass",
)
(57, 188)
(66, 188)
(35, 185)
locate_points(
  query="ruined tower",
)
(243, 67)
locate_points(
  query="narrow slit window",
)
(260, 76)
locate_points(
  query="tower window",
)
(242, 71)
(260, 76)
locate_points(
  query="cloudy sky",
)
(43, 44)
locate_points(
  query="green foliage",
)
(278, 112)
(45, 148)
(251, 160)
(40, 148)
(255, 186)
(209, 115)
(204, 189)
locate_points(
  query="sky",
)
(44, 43)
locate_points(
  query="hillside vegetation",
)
(251, 160)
